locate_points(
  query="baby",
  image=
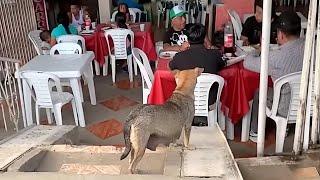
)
(45, 36)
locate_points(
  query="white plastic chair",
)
(119, 37)
(44, 97)
(201, 96)
(138, 11)
(73, 39)
(146, 72)
(34, 37)
(131, 12)
(293, 80)
(236, 23)
(66, 48)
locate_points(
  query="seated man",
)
(252, 28)
(199, 56)
(176, 38)
(287, 59)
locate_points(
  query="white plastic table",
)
(66, 67)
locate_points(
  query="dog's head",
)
(186, 80)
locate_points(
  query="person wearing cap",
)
(285, 60)
(176, 38)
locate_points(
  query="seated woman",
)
(121, 23)
(252, 28)
(63, 28)
(123, 8)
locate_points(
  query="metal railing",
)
(17, 19)
(10, 104)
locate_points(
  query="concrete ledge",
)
(14, 148)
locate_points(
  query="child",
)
(121, 23)
(123, 8)
(45, 36)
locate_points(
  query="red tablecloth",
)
(238, 91)
(142, 40)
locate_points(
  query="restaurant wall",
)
(17, 19)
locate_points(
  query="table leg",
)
(27, 102)
(230, 129)
(246, 125)
(76, 92)
(89, 77)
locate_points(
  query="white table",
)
(66, 67)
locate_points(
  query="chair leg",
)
(221, 119)
(129, 62)
(113, 68)
(212, 118)
(37, 114)
(230, 129)
(135, 68)
(49, 115)
(280, 135)
(246, 125)
(75, 114)
(57, 115)
(167, 18)
(158, 23)
(81, 93)
(105, 66)
(97, 67)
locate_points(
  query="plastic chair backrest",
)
(293, 80)
(34, 37)
(135, 11)
(236, 23)
(66, 48)
(146, 79)
(38, 83)
(131, 12)
(119, 37)
(201, 92)
(142, 57)
(74, 39)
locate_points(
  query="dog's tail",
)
(126, 133)
(127, 130)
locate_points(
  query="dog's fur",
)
(150, 125)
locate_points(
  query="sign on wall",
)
(41, 14)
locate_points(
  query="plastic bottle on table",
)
(228, 40)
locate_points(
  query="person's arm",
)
(53, 40)
(168, 47)
(245, 32)
(207, 44)
(254, 63)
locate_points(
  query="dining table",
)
(143, 39)
(70, 67)
(239, 88)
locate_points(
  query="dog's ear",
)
(199, 70)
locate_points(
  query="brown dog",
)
(151, 125)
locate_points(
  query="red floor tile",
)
(126, 85)
(118, 103)
(106, 129)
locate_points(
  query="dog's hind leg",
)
(139, 140)
(186, 137)
(132, 155)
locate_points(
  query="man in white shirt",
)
(77, 15)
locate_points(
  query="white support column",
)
(316, 110)
(105, 9)
(301, 114)
(264, 76)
